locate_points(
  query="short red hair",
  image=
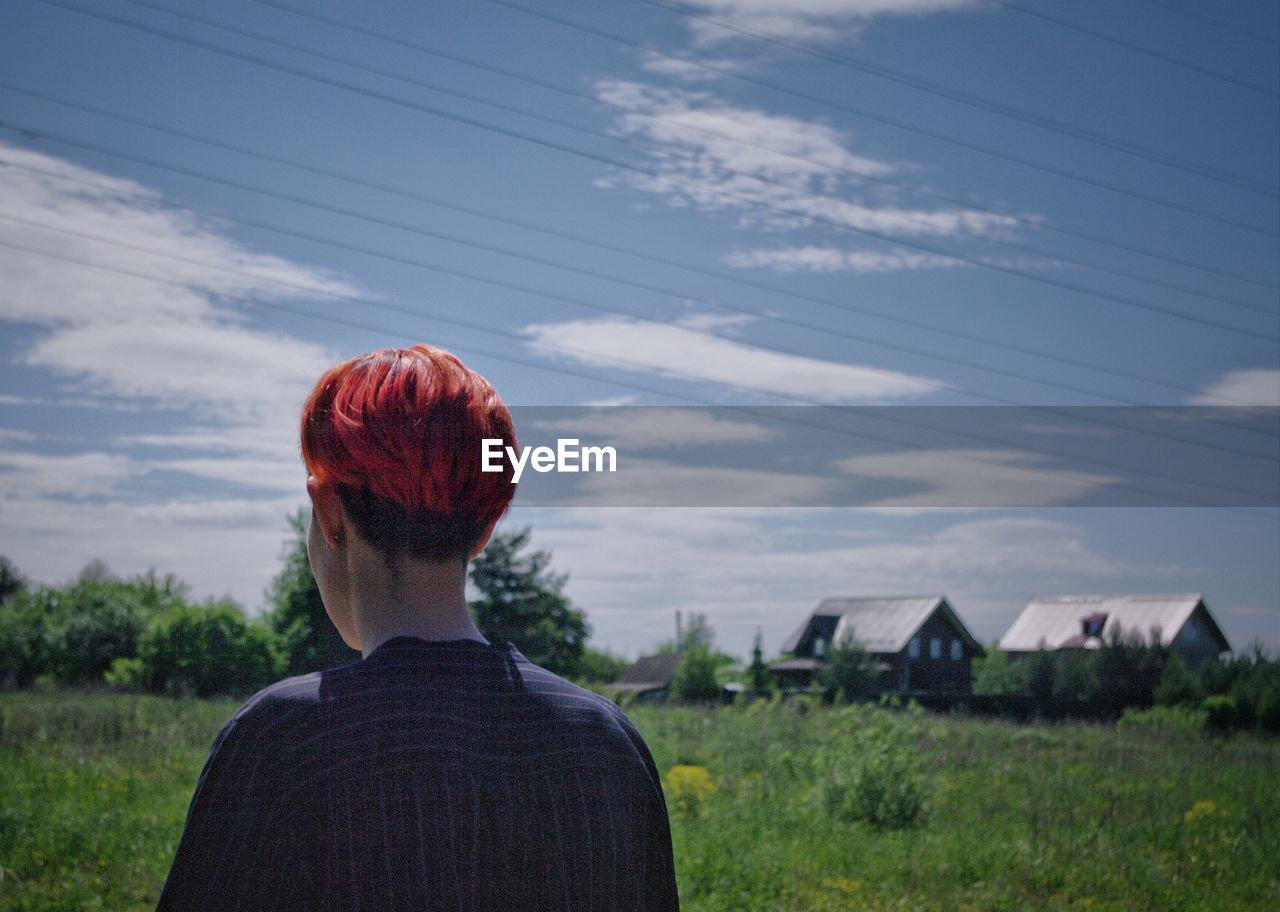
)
(398, 433)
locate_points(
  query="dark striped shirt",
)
(431, 775)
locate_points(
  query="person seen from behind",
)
(440, 771)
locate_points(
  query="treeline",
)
(1125, 674)
(147, 633)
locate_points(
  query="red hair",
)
(398, 433)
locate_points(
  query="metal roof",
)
(1051, 622)
(883, 625)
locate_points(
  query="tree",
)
(758, 672)
(849, 673)
(521, 601)
(11, 581)
(596, 667)
(308, 639)
(695, 679)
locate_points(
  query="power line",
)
(845, 172)
(1011, 112)
(692, 268)
(1208, 20)
(571, 300)
(879, 118)
(861, 434)
(993, 266)
(578, 301)
(1138, 48)
(659, 151)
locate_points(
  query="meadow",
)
(774, 807)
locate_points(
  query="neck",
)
(423, 599)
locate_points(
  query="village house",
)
(1179, 622)
(918, 643)
(648, 678)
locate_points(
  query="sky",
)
(722, 202)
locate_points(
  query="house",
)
(1182, 623)
(648, 678)
(919, 643)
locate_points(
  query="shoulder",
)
(273, 713)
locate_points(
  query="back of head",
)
(398, 433)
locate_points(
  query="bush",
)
(202, 650)
(872, 775)
(695, 678)
(1181, 720)
(1220, 712)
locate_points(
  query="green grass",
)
(94, 788)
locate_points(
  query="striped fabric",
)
(429, 776)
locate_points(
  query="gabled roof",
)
(648, 673)
(1052, 623)
(883, 625)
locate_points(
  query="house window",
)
(819, 647)
(913, 648)
(935, 648)
(957, 651)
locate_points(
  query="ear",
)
(328, 510)
(484, 539)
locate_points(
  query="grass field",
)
(774, 807)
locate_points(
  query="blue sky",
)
(1075, 210)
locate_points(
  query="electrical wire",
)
(1011, 112)
(488, 329)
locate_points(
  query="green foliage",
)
(1175, 720)
(1019, 817)
(759, 679)
(695, 679)
(1220, 712)
(73, 634)
(1177, 686)
(11, 580)
(521, 601)
(870, 773)
(202, 650)
(992, 673)
(597, 667)
(307, 638)
(849, 673)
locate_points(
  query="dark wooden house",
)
(1178, 622)
(919, 643)
(648, 678)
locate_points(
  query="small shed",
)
(648, 678)
(1179, 622)
(919, 643)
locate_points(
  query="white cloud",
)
(771, 171)
(200, 381)
(808, 21)
(633, 568)
(1260, 386)
(833, 259)
(961, 477)
(645, 429)
(679, 352)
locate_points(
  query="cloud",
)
(210, 398)
(832, 259)
(771, 171)
(963, 477)
(806, 21)
(676, 351)
(642, 430)
(747, 568)
(1260, 386)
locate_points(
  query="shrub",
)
(872, 776)
(695, 678)
(1220, 712)
(202, 650)
(1182, 720)
(688, 787)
